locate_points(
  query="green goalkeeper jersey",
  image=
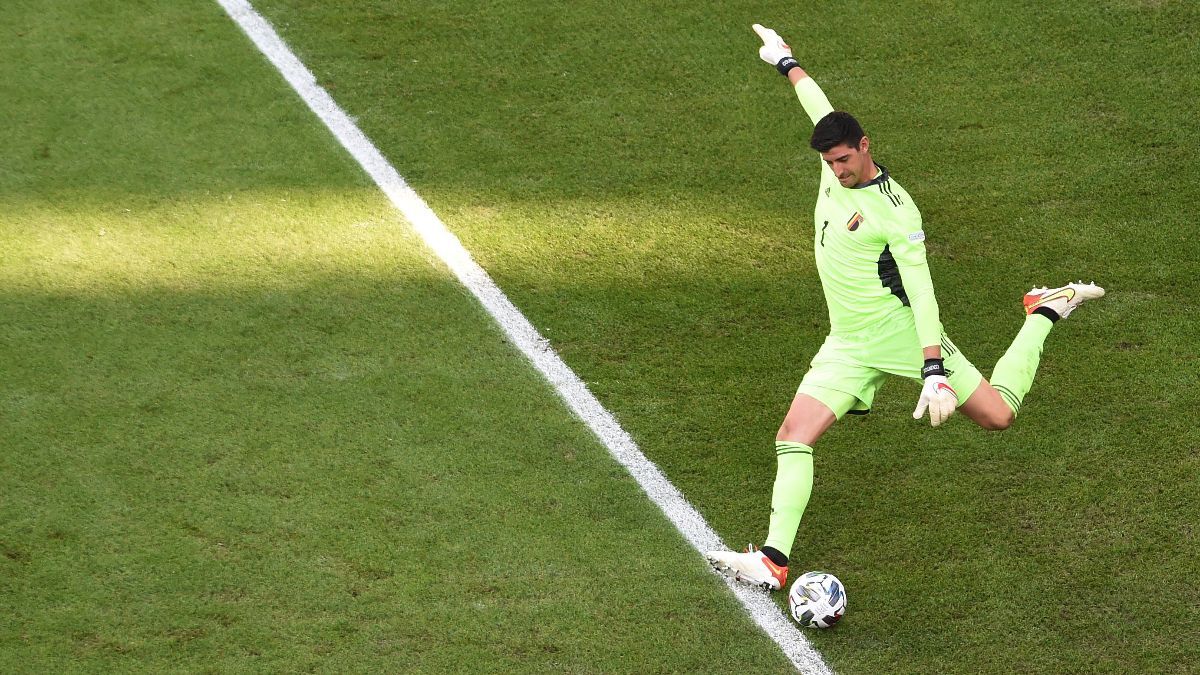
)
(870, 247)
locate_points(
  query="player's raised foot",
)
(752, 567)
(1062, 300)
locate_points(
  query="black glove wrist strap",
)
(786, 64)
(933, 367)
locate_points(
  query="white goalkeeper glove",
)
(936, 395)
(774, 50)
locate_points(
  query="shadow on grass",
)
(343, 467)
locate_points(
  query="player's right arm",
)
(777, 53)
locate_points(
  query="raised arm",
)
(777, 53)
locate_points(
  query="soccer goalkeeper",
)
(883, 320)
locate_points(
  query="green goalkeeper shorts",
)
(850, 368)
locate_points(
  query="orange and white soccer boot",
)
(1062, 300)
(752, 567)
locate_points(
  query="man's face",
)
(851, 165)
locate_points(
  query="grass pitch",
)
(640, 185)
(248, 424)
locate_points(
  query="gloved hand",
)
(936, 395)
(774, 50)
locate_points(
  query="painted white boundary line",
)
(522, 333)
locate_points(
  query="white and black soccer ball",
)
(817, 600)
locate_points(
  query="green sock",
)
(793, 485)
(1013, 374)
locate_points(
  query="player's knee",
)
(792, 429)
(805, 421)
(786, 430)
(998, 421)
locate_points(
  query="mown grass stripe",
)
(525, 337)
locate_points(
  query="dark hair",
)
(835, 129)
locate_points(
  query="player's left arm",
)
(906, 241)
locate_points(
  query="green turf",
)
(247, 424)
(250, 425)
(639, 183)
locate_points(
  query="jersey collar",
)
(881, 177)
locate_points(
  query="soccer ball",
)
(817, 600)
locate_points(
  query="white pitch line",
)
(573, 391)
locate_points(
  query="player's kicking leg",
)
(993, 406)
(767, 568)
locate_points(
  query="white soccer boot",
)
(752, 567)
(1062, 300)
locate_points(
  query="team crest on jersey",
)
(854, 221)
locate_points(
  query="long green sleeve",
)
(919, 287)
(813, 99)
